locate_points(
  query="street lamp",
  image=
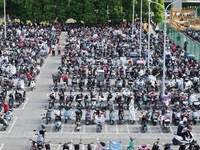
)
(164, 53)
(140, 29)
(132, 21)
(148, 34)
(5, 33)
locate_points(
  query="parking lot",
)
(28, 117)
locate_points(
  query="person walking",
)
(53, 49)
(59, 48)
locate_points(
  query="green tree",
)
(49, 11)
(60, 11)
(88, 14)
(158, 11)
(75, 10)
(116, 11)
(100, 11)
(144, 9)
(89, 11)
(128, 9)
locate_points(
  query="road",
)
(28, 117)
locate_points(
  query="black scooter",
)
(77, 146)
(155, 145)
(89, 146)
(167, 146)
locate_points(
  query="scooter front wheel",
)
(87, 122)
(132, 121)
(174, 141)
(194, 122)
(112, 122)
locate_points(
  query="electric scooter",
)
(131, 144)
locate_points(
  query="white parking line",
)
(1, 147)
(52, 127)
(26, 101)
(116, 125)
(149, 128)
(59, 146)
(127, 127)
(48, 57)
(15, 119)
(83, 128)
(106, 129)
(160, 128)
(39, 75)
(171, 130)
(138, 127)
(44, 65)
(62, 127)
(73, 129)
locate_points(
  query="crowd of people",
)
(192, 33)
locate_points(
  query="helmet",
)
(131, 139)
(181, 122)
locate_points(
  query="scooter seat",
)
(196, 103)
(167, 120)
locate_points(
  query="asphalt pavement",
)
(28, 117)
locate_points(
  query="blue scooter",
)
(9, 115)
(112, 117)
(57, 123)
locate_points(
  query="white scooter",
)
(32, 85)
(178, 140)
(132, 112)
(9, 115)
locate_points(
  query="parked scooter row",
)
(131, 146)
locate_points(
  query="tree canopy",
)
(88, 11)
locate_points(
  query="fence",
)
(179, 38)
(193, 48)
